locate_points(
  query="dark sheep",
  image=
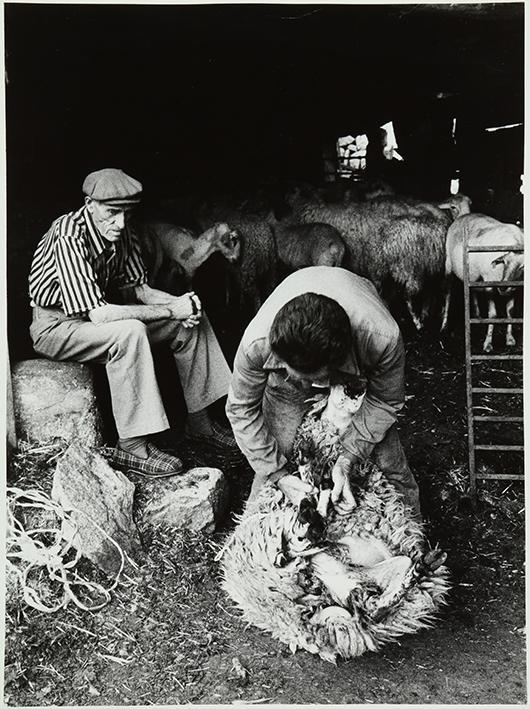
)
(314, 244)
(255, 272)
(396, 239)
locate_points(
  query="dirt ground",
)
(170, 635)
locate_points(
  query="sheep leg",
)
(365, 551)
(488, 341)
(323, 502)
(475, 305)
(510, 339)
(394, 577)
(425, 310)
(333, 574)
(415, 319)
(430, 561)
(447, 304)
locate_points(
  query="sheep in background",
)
(458, 205)
(397, 239)
(271, 248)
(482, 230)
(314, 244)
(173, 254)
(371, 189)
(255, 271)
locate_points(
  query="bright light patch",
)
(351, 150)
(510, 125)
(455, 185)
(391, 142)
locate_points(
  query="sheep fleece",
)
(267, 593)
(399, 239)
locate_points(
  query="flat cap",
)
(112, 186)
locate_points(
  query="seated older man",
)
(81, 257)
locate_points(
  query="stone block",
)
(195, 501)
(55, 400)
(101, 499)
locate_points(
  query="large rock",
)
(195, 501)
(102, 499)
(55, 400)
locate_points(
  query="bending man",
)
(318, 320)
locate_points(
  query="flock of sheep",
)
(407, 247)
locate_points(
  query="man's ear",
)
(88, 202)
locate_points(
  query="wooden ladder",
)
(473, 358)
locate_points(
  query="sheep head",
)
(228, 241)
(457, 204)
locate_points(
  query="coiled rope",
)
(45, 549)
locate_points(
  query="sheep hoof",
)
(488, 347)
(510, 341)
(433, 559)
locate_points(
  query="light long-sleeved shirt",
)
(377, 353)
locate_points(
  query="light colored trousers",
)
(284, 406)
(124, 347)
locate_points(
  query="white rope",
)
(34, 554)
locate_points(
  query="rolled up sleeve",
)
(384, 399)
(244, 411)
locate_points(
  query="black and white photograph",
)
(263, 343)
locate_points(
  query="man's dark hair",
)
(311, 331)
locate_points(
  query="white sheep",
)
(169, 249)
(482, 230)
(362, 581)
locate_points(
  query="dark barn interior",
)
(230, 102)
(197, 99)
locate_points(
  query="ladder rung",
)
(499, 448)
(478, 321)
(500, 476)
(483, 357)
(497, 390)
(501, 247)
(515, 419)
(491, 284)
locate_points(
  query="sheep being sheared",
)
(482, 230)
(333, 584)
(401, 240)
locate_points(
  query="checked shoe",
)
(220, 437)
(157, 464)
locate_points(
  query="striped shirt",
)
(74, 265)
